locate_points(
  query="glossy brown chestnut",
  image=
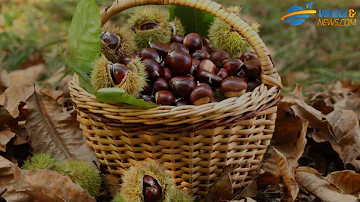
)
(151, 189)
(206, 65)
(177, 38)
(182, 86)
(147, 89)
(148, 26)
(253, 84)
(152, 194)
(111, 40)
(153, 69)
(250, 55)
(178, 46)
(232, 66)
(210, 78)
(201, 94)
(182, 102)
(167, 74)
(149, 53)
(126, 59)
(161, 48)
(148, 98)
(194, 64)
(160, 84)
(222, 73)
(207, 49)
(193, 42)
(179, 62)
(241, 74)
(118, 73)
(219, 56)
(165, 97)
(233, 87)
(200, 55)
(252, 69)
(206, 41)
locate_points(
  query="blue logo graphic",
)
(296, 15)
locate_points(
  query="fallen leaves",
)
(347, 181)
(313, 182)
(52, 130)
(47, 185)
(5, 137)
(22, 77)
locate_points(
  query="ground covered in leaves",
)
(314, 154)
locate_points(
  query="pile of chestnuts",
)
(188, 72)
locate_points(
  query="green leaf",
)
(84, 79)
(116, 95)
(194, 20)
(84, 35)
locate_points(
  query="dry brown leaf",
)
(53, 130)
(14, 95)
(47, 185)
(351, 102)
(222, 187)
(5, 136)
(346, 180)
(346, 132)
(290, 132)
(287, 166)
(317, 185)
(112, 183)
(316, 118)
(22, 77)
(247, 199)
(270, 172)
(7, 182)
(5, 117)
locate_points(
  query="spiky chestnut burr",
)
(132, 77)
(146, 176)
(179, 195)
(117, 43)
(177, 27)
(41, 161)
(225, 37)
(149, 25)
(82, 173)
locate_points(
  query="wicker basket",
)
(193, 142)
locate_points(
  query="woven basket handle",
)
(269, 74)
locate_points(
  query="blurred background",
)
(30, 31)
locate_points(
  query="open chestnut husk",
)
(179, 62)
(153, 69)
(165, 97)
(201, 94)
(233, 87)
(182, 86)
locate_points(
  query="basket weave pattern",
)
(193, 142)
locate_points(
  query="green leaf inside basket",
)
(85, 80)
(84, 41)
(194, 20)
(116, 95)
